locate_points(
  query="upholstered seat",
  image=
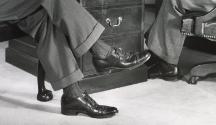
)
(9, 31)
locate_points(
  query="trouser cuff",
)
(68, 80)
(90, 41)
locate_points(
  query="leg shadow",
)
(31, 105)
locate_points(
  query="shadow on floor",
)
(30, 105)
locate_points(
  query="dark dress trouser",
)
(65, 31)
(165, 38)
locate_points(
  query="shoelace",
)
(88, 98)
(122, 54)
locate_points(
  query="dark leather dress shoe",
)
(84, 105)
(119, 60)
(169, 72)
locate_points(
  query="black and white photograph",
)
(107, 62)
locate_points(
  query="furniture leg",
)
(44, 94)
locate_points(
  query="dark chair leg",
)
(43, 95)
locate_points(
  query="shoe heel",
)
(70, 112)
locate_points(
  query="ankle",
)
(72, 90)
(100, 49)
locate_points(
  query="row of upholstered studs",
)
(187, 34)
(206, 36)
(209, 36)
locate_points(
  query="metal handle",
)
(119, 21)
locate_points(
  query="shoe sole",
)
(77, 112)
(173, 78)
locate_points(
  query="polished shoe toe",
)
(110, 109)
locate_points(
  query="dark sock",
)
(100, 49)
(153, 60)
(73, 90)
